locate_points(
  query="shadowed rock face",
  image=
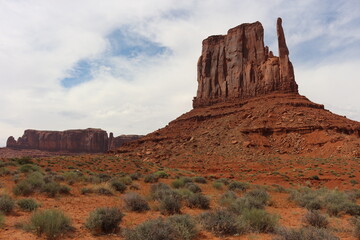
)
(87, 140)
(83, 140)
(239, 66)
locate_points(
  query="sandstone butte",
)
(81, 140)
(247, 106)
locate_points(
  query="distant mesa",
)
(88, 140)
(239, 66)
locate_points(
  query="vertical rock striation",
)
(239, 66)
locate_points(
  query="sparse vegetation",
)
(104, 220)
(51, 222)
(27, 204)
(135, 202)
(6, 204)
(220, 222)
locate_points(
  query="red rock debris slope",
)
(247, 106)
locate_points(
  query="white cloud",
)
(41, 41)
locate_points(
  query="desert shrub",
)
(201, 180)
(51, 222)
(227, 198)
(29, 168)
(152, 229)
(4, 171)
(23, 160)
(6, 204)
(103, 177)
(184, 193)
(315, 219)
(118, 185)
(135, 202)
(72, 177)
(161, 174)
(356, 222)
(160, 190)
(278, 188)
(352, 208)
(193, 187)
(127, 180)
(23, 188)
(85, 190)
(51, 189)
(184, 226)
(308, 233)
(258, 220)
(104, 220)
(2, 219)
(219, 222)
(27, 204)
(135, 176)
(258, 195)
(241, 186)
(198, 200)
(103, 190)
(151, 178)
(170, 204)
(218, 185)
(64, 189)
(178, 183)
(36, 179)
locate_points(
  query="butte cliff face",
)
(82, 140)
(247, 107)
(238, 65)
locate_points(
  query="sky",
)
(129, 67)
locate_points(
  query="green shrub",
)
(118, 186)
(104, 220)
(85, 191)
(308, 233)
(193, 187)
(161, 174)
(160, 190)
(135, 202)
(170, 204)
(201, 180)
(151, 178)
(51, 222)
(227, 198)
(241, 186)
(51, 189)
(198, 200)
(29, 168)
(4, 171)
(356, 223)
(23, 160)
(6, 204)
(2, 220)
(218, 185)
(178, 183)
(258, 220)
(184, 226)
(36, 179)
(260, 196)
(155, 229)
(219, 222)
(135, 176)
(315, 219)
(28, 204)
(23, 188)
(104, 190)
(72, 177)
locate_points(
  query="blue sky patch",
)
(80, 73)
(128, 44)
(122, 43)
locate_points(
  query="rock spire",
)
(238, 66)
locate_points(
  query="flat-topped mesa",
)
(80, 140)
(239, 66)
